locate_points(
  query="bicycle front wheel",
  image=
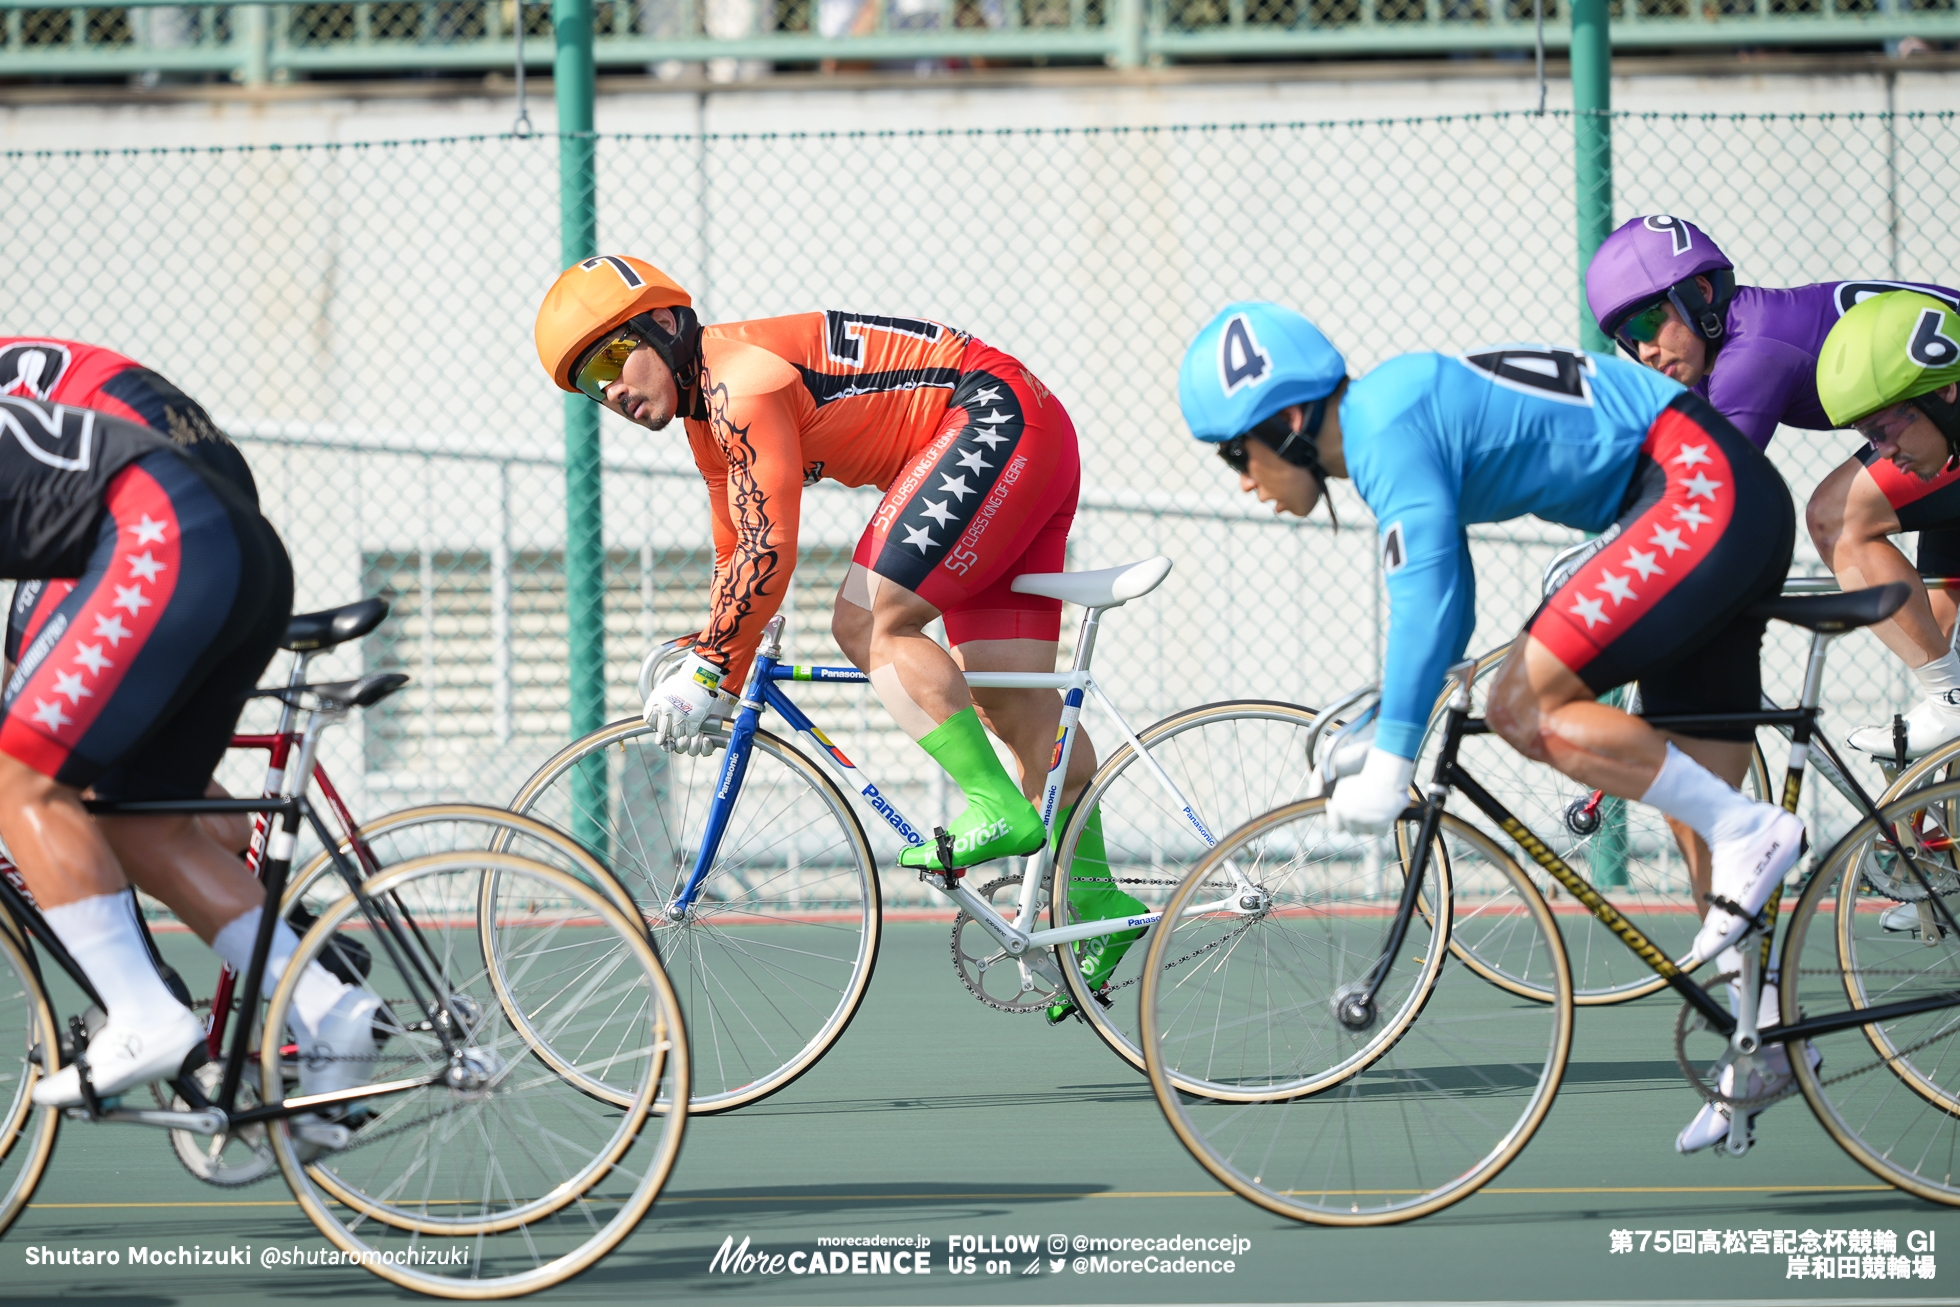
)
(1368, 1115)
(476, 1170)
(1226, 763)
(27, 1034)
(1889, 1090)
(1625, 849)
(772, 958)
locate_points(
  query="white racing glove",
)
(1369, 801)
(682, 704)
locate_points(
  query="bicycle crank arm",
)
(208, 1122)
(314, 1102)
(982, 912)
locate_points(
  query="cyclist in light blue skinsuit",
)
(1696, 527)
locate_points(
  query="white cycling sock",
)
(101, 933)
(318, 990)
(1689, 792)
(1939, 676)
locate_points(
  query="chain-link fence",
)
(359, 318)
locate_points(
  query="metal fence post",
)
(1592, 142)
(585, 547)
(1127, 19)
(1592, 191)
(252, 35)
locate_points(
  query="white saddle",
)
(1106, 587)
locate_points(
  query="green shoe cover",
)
(999, 822)
(1096, 899)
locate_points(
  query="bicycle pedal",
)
(324, 1134)
(1102, 998)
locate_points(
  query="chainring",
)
(1878, 865)
(229, 1161)
(989, 972)
(1708, 1083)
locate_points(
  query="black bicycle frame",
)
(383, 921)
(1800, 722)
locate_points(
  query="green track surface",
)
(938, 1117)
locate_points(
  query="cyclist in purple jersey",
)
(1661, 288)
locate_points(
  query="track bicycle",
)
(1415, 1126)
(763, 890)
(1628, 851)
(467, 1164)
(236, 1158)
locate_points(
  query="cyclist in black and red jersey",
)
(132, 688)
(92, 376)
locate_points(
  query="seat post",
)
(1085, 639)
(289, 715)
(1813, 672)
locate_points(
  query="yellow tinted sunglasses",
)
(603, 363)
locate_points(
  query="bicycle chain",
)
(1177, 962)
(1107, 989)
(1761, 1101)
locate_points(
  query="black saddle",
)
(323, 630)
(361, 692)
(1834, 614)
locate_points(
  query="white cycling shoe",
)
(1904, 917)
(1711, 1124)
(120, 1057)
(339, 1056)
(1746, 872)
(1931, 723)
(341, 1053)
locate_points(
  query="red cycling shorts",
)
(991, 498)
(1704, 533)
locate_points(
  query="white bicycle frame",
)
(1017, 935)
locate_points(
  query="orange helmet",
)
(592, 298)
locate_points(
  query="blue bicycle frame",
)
(764, 690)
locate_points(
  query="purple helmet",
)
(1655, 258)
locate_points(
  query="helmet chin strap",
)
(1946, 417)
(1705, 316)
(1300, 448)
(680, 350)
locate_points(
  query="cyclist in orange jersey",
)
(979, 466)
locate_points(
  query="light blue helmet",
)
(1249, 362)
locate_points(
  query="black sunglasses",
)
(1276, 433)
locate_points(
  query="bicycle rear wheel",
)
(1365, 1121)
(27, 1032)
(774, 956)
(1887, 1091)
(1229, 762)
(500, 1177)
(1626, 849)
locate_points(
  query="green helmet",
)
(1890, 348)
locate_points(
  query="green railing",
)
(256, 43)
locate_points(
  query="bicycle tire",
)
(1231, 760)
(1654, 895)
(1381, 1135)
(531, 1178)
(772, 962)
(1888, 1092)
(27, 1133)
